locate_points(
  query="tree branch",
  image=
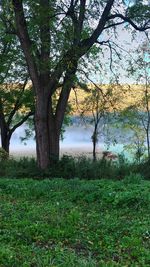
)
(63, 99)
(31, 113)
(81, 14)
(114, 24)
(87, 43)
(129, 20)
(26, 43)
(17, 104)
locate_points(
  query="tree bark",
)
(41, 129)
(5, 135)
(94, 149)
(148, 143)
(54, 137)
(94, 139)
(5, 139)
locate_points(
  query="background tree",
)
(16, 106)
(136, 118)
(54, 37)
(16, 100)
(128, 120)
(99, 105)
(139, 68)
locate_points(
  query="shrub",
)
(3, 154)
(133, 178)
(144, 169)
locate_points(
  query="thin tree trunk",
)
(5, 134)
(148, 143)
(94, 149)
(5, 139)
(94, 139)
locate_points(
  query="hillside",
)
(122, 96)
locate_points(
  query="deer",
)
(107, 155)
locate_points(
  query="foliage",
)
(136, 118)
(63, 223)
(16, 99)
(144, 169)
(129, 122)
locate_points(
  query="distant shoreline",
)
(65, 150)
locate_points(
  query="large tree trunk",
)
(47, 131)
(48, 124)
(42, 130)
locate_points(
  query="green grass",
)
(74, 223)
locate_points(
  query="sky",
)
(128, 44)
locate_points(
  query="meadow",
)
(78, 223)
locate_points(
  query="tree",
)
(137, 116)
(16, 100)
(16, 106)
(54, 37)
(128, 120)
(98, 104)
(139, 67)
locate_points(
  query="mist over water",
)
(76, 140)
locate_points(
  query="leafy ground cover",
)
(74, 222)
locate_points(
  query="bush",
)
(3, 154)
(144, 169)
(22, 168)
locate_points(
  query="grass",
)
(74, 223)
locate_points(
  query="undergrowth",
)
(68, 167)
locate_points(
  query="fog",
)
(76, 141)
